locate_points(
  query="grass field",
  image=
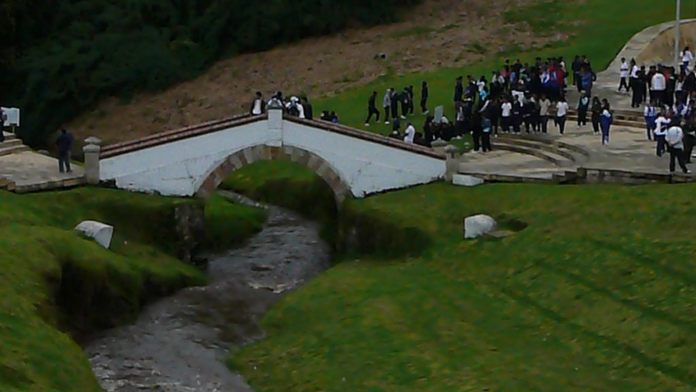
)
(596, 294)
(52, 279)
(596, 28)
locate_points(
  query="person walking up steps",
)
(674, 137)
(372, 109)
(561, 112)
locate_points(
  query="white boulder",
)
(100, 232)
(478, 225)
(466, 180)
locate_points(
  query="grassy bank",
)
(52, 279)
(597, 293)
(596, 28)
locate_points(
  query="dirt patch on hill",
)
(439, 33)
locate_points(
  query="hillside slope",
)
(439, 33)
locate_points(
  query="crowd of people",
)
(517, 97)
(525, 97)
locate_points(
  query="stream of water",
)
(180, 343)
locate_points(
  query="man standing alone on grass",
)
(674, 137)
(372, 109)
(64, 144)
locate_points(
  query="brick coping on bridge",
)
(218, 125)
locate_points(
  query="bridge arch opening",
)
(250, 155)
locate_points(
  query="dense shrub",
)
(60, 57)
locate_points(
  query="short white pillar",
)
(91, 151)
(275, 125)
(452, 164)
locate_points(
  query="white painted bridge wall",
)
(180, 167)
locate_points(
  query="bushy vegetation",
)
(61, 56)
(53, 281)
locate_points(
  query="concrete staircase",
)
(559, 153)
(11, 145)
(565, 159)
(622, 117)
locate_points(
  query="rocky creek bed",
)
(180, 343)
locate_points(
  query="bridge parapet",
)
(194, 160)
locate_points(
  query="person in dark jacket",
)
(64, 144)
(372, 108)
(596, 113)
(458, 93)
(309, 111)
(424, 97)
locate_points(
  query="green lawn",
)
(598, 293)
(51, 279)
(597, 28)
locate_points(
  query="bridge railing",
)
(177, 134)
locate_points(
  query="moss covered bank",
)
(56, 286)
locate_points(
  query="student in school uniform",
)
(506, 115)
(674, 138)
(624, 71)
(561, 112)
(583, 107)
(662, 122)
(650, 115)
(605, 120)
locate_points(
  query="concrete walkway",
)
(628, 150)
(28, 171)
(647, 48)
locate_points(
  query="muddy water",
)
(180, 343)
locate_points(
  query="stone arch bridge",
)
(195, 160)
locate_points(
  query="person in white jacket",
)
(410, 133)
(675, 145)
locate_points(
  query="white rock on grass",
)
(100, 232)
(466, 180)
(478, 225)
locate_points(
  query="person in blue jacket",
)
(605, 120)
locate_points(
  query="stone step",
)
(556, 159)
(12, 147)
(6, 185)
(545, 145)
(540, 178)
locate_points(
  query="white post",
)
(677, 37)
(275, 124)
(91, 150)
